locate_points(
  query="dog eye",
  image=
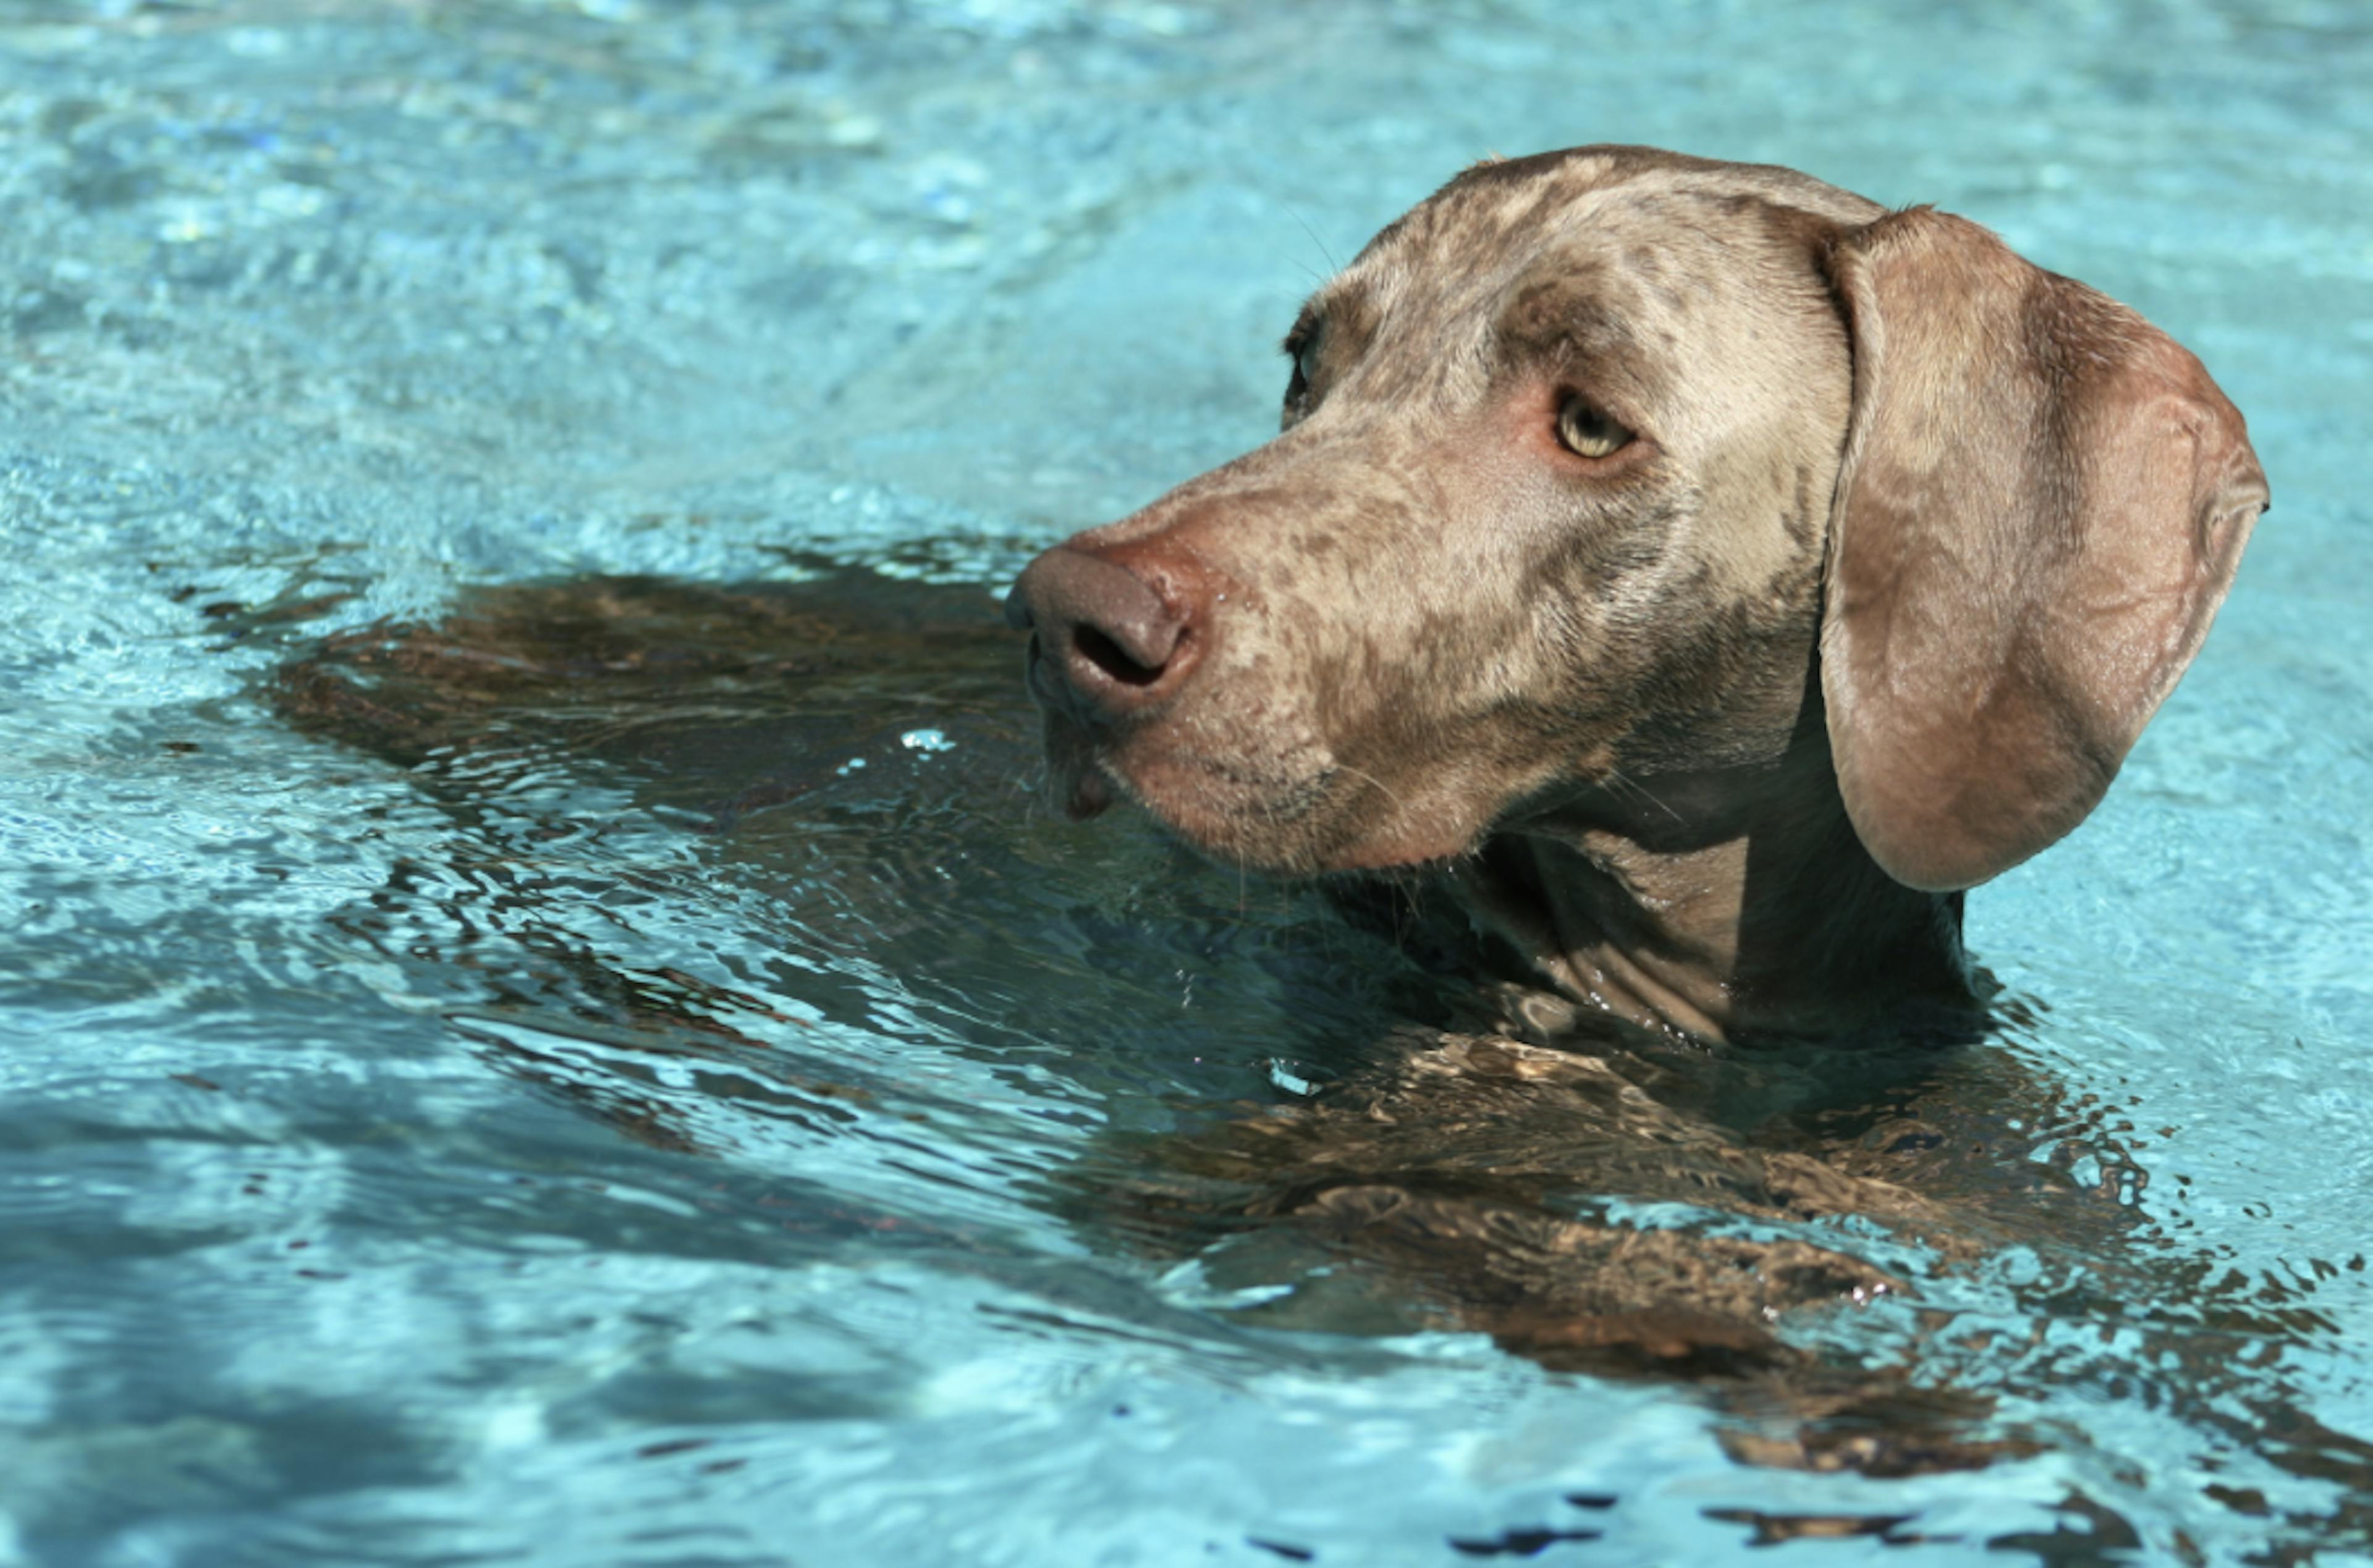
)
(1586, 431)
(1300, 347)
(1304, 355)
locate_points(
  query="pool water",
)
(542, 1018)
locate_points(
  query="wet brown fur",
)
(1590, 694)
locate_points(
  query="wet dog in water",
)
(1703, 575)
(1706, 573)
(1625, 1202)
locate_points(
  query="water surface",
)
(544, 1021)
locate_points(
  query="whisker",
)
(1333, 266)
(1363, 774)
(1615, 776)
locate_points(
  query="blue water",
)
(541, 1022)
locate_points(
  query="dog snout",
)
(1120, 638)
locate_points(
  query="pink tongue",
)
(1090, 795)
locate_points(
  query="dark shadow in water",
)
(1617, 1204)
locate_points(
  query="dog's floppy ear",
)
(2041, 504)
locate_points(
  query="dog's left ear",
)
(2042, 501)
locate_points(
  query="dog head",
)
(1588, 464)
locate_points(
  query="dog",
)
(1702, 572)
(1699, 573)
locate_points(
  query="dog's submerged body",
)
(1703, 572)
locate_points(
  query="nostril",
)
(1112, 659)
(1112, 641)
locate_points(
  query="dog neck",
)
(1723, 904)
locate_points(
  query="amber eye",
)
(1586, 431)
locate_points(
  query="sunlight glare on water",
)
(545, 1023)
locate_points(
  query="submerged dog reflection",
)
(1762, 1223)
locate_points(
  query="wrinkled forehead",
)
(1614, 235)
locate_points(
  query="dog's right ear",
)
(2041, 504)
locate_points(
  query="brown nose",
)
(1116, 642)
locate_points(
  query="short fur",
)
(1911, 540)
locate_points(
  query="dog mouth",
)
(1077, 783)
(1302, 814)
(1219, 803)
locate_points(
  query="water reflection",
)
(1893, 1257)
